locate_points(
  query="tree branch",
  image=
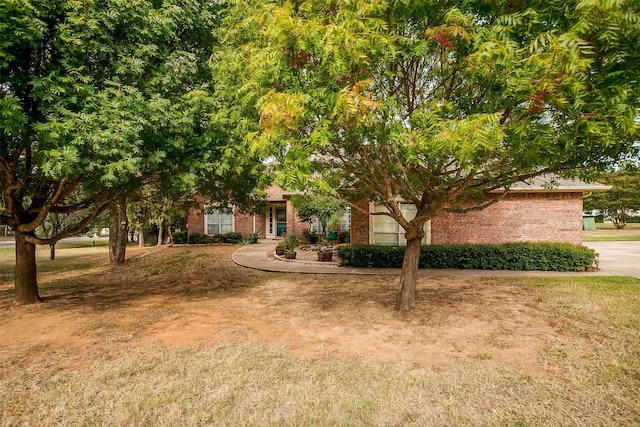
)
(46, 207)
(480, 206)
(70, 232)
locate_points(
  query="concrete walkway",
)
(256, 256)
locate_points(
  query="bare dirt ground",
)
(182, 336)
(191, 296)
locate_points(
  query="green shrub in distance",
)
(507, 256)
(232, 237)
(179, 237)
(195, 238)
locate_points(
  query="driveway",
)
(618, 258)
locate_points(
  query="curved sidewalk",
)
(256, 257)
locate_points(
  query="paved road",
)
(618, 258)
(68, 239)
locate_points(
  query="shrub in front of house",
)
(217, 238)
(199, 238)
(179, 237)
(232, 237)
(195, 238)
(507, 256)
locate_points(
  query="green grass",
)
(607, 232)
(67, 258)
(70, 257)
(83, 244)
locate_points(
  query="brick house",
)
(530, 212)
(279, 217)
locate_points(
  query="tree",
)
(98, 99)
(323, 208)
(623, 200)
(434, 103)
(162, 210)
(55, 224)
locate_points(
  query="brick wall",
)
(244, 223)
(360, 223)
(293, 222)
(195, 221)
(274, 193)
(247, 224)
(548, 217)
(519, 217)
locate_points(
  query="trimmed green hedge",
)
(507, 256)
(199, 238)
(180, 237)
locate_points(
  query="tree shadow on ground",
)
(187, 274)
(184, 273)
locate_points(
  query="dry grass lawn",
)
(607, 232)
(182, 336)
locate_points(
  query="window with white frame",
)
(218, 222)
(386, 231)
(315, 226)
(345, 221)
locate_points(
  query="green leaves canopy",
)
(433, 102)
(623, 200)
(436, 103)
(101, 97)
(324, 209)
(97, 99)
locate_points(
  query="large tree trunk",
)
(25, 279)
(52, 251)
(170, 233)
(409, 274)
(141, 237)
(118, 223)
(160, 233)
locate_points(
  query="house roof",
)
(547, 184)
(539, 184)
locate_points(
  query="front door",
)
(281, 221)
(276, 220)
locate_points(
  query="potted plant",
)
(334, 227)
(325, 254)
(324, 250)
(281, 248)
(291, 241)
